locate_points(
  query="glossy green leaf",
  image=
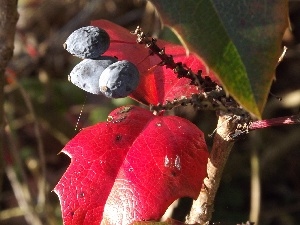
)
(239, 40)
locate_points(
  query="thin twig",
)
(29, 212)
(2, 124)
(167, 60)
(41, 181)
(11, 212)
(255, 200)
(20, 187)
(17, 161)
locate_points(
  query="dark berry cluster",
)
(96, 73)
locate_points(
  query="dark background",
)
(37, 77)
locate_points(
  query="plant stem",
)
(255, 200)
(8, 18)
(41, 179)
(167, 60)
(203, 207)
(21, 195)
(279, 121)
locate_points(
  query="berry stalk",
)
(167, 60)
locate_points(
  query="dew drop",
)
(158, 124)
(130, 169)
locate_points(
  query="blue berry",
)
(86, 74)
(119, 79)
(87, 42)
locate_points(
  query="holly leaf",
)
(158, 84)
(240, 41)
(131, 168)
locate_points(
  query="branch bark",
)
(8, 20)
(203, 206)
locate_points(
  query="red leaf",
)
(131, 167)
(158, 84)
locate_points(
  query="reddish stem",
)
(286, 120)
